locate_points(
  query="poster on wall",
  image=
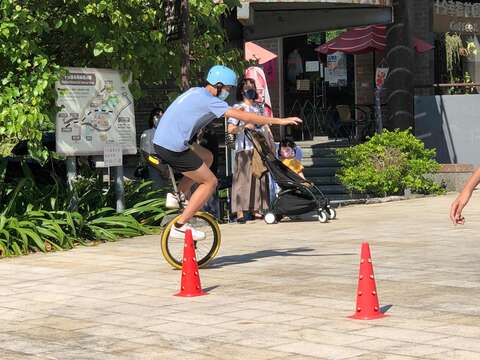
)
(96, 109)
(336, 71)
(380, 76)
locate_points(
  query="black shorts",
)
(179, 161)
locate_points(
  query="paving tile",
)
(18, 315)
(199, 319)
(249, 314)
(236, 352)
(458, 330)
(258, 338)
(186, 329)
(382, 356)
(455, 355)
(26, 345)
(61, 323)
(416, 350)
(82, 354)
(457, 342)
(104, 344)
(321, 350)
(282, 295)
(114, 331)
(299, 357)
(131, 320)
(326, 337)
(385, 332)
(15, 355)
(381, 345)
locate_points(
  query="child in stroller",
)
(287, 154)
(297, 195)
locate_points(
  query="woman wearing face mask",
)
(249, 194)
(183, 119)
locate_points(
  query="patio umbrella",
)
(365, 39)
(257, 53)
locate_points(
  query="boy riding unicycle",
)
(174, 145)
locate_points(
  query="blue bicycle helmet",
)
(223, 75)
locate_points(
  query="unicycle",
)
(172, 248)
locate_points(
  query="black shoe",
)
(241, 221)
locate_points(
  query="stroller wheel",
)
(270, 218)
(322, 216)
(331, 213)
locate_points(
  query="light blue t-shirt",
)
(190, 112)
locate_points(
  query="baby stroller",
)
(297, 196)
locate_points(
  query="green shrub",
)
(387, 164)
(39, 217)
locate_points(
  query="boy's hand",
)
(457, 207)
(292, 121)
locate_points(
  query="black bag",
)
(230, 140)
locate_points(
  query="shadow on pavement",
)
(254, 256)
(210, 288)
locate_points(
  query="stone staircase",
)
(321, 165)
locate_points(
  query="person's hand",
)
(457, 207)
(291, 121)
(250, 126)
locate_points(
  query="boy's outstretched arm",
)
(462, 199)
(249, 117)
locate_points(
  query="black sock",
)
(178, 225)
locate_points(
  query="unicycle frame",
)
(199, 214)
(175, 187)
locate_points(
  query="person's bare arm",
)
(235, 129)
(253, 118)
(462, 199)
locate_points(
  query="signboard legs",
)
(119, 189)
(71, 164)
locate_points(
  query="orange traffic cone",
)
(190, 283)
(367, 307)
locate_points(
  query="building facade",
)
(445, 79)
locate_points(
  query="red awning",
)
(365, 39)
(257, 53)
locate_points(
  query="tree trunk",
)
(185, 29)
(400, 58)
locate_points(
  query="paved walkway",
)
(278, 292)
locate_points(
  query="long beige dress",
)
(248, 192)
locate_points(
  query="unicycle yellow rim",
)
(206, 259)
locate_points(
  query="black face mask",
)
(250, 94)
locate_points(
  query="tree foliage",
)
(39, 38)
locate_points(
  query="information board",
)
(96, 109)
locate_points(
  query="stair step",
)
(311, 172)
(312, 152)
(339, 198)
(324, 180)
(331, 143)
(320, 162)
(333, 189)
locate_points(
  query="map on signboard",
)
(96, 109)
